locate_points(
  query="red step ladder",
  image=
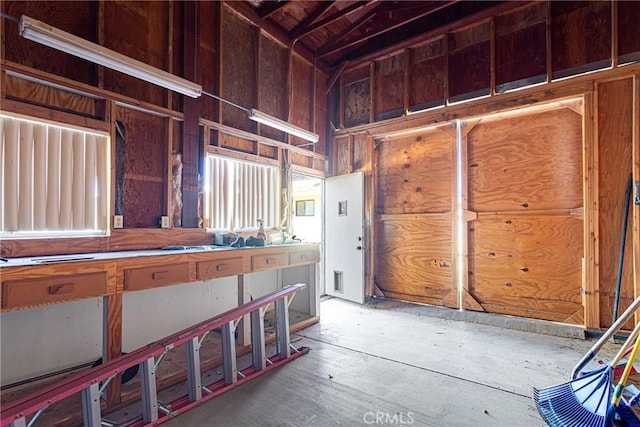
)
(93, 383)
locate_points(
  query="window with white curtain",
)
(54, 179)
(241, 193)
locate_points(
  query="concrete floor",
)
(396, 364)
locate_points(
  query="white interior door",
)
(344, 235)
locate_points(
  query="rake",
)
(583, 401)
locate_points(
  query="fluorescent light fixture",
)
(276, 123)
(45, 34)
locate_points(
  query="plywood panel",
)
(530, 162)
(70, 16)
(272, 88)
(580, 36)
(628, 34)
(238, 70)
(301, 106)
(361, 153)
(357, 97)
(614, 106)
(427, 75)
(414, 174)
(137, 30)
(342, 156)
(526, 258)
(208, 55)
(521, 55)
(415, 266)
(145, 152)
(389, 83)
(469, 62)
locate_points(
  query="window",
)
(54, 179)
(240, 193)
(305, 208)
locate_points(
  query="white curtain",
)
(241, 193)
(52, 178)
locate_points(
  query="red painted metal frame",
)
(75, 384)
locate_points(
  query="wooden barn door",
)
(526, 246)
(413, 244)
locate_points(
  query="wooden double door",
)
(486, 214)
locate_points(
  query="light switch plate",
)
(164, 222)
(118, 221)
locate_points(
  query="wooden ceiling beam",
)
(271, 7)
(351, 28)
(312, 17)
(498, 9)
(296, 34)
(334, 47)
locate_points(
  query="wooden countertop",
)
(35, 281)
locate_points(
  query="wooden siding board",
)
(628, 34)
(521, 57)
(137, 30)
(238, 71)
(615, 100)
(301, 109)
(413, 174)
(357, 96)
(389, 83)
(208, 57)
(469, 72)
(581, 36)
(426, 83)
(526, 163)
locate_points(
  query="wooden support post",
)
(636, 189)
(591, 282)
(112, 340)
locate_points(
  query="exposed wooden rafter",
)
(296, 34)
(409, 16)
(271, 7)
(312, 17)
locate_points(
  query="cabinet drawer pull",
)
(303, 256)
(159, 275)
(222, 267)
(270, 261)
(62, 288)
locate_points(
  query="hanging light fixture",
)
(56, 38)
(45, 34)
(276, 123)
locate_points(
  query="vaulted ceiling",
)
(339, 31)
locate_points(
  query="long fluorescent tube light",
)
(45, 34)
(276, 123)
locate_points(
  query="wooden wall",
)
(211, 43)
(543, 188)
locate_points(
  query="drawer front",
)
(218, 268)
(48, 290)
(303, 257)
(136, 279)
(267, 262)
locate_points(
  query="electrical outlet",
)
(118, 221)
(164, 222)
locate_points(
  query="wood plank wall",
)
(209, 42)
(545, 186)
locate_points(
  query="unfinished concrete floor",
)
(395, 364)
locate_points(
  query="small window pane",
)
(305, 208)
